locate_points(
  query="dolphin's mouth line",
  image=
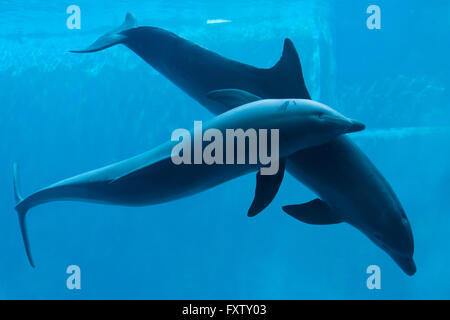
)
(405, 262)
(350, 124)
(333, 119)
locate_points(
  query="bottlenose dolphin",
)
(153, 177)
(349, 185)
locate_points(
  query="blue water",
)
(62, 114)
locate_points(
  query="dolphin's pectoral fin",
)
(111, 38)
(232, 98)
(266, 188)
(313, 212)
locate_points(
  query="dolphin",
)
(350, 187)
(153, 177)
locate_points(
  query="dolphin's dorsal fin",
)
(266, 188)
(112, 37)
(232, 98)
(289, 57)
(313, 212)
(289, 70)
(130, 22)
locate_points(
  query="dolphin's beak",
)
(356, 126)
(406, 263)
(344, 123)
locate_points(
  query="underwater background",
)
(62, 114)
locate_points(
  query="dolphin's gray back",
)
(188, 65)
(198, 71)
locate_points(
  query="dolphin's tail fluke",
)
(113, 37)
(21, 211)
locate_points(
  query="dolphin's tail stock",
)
(112, 37)
(21, 211)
